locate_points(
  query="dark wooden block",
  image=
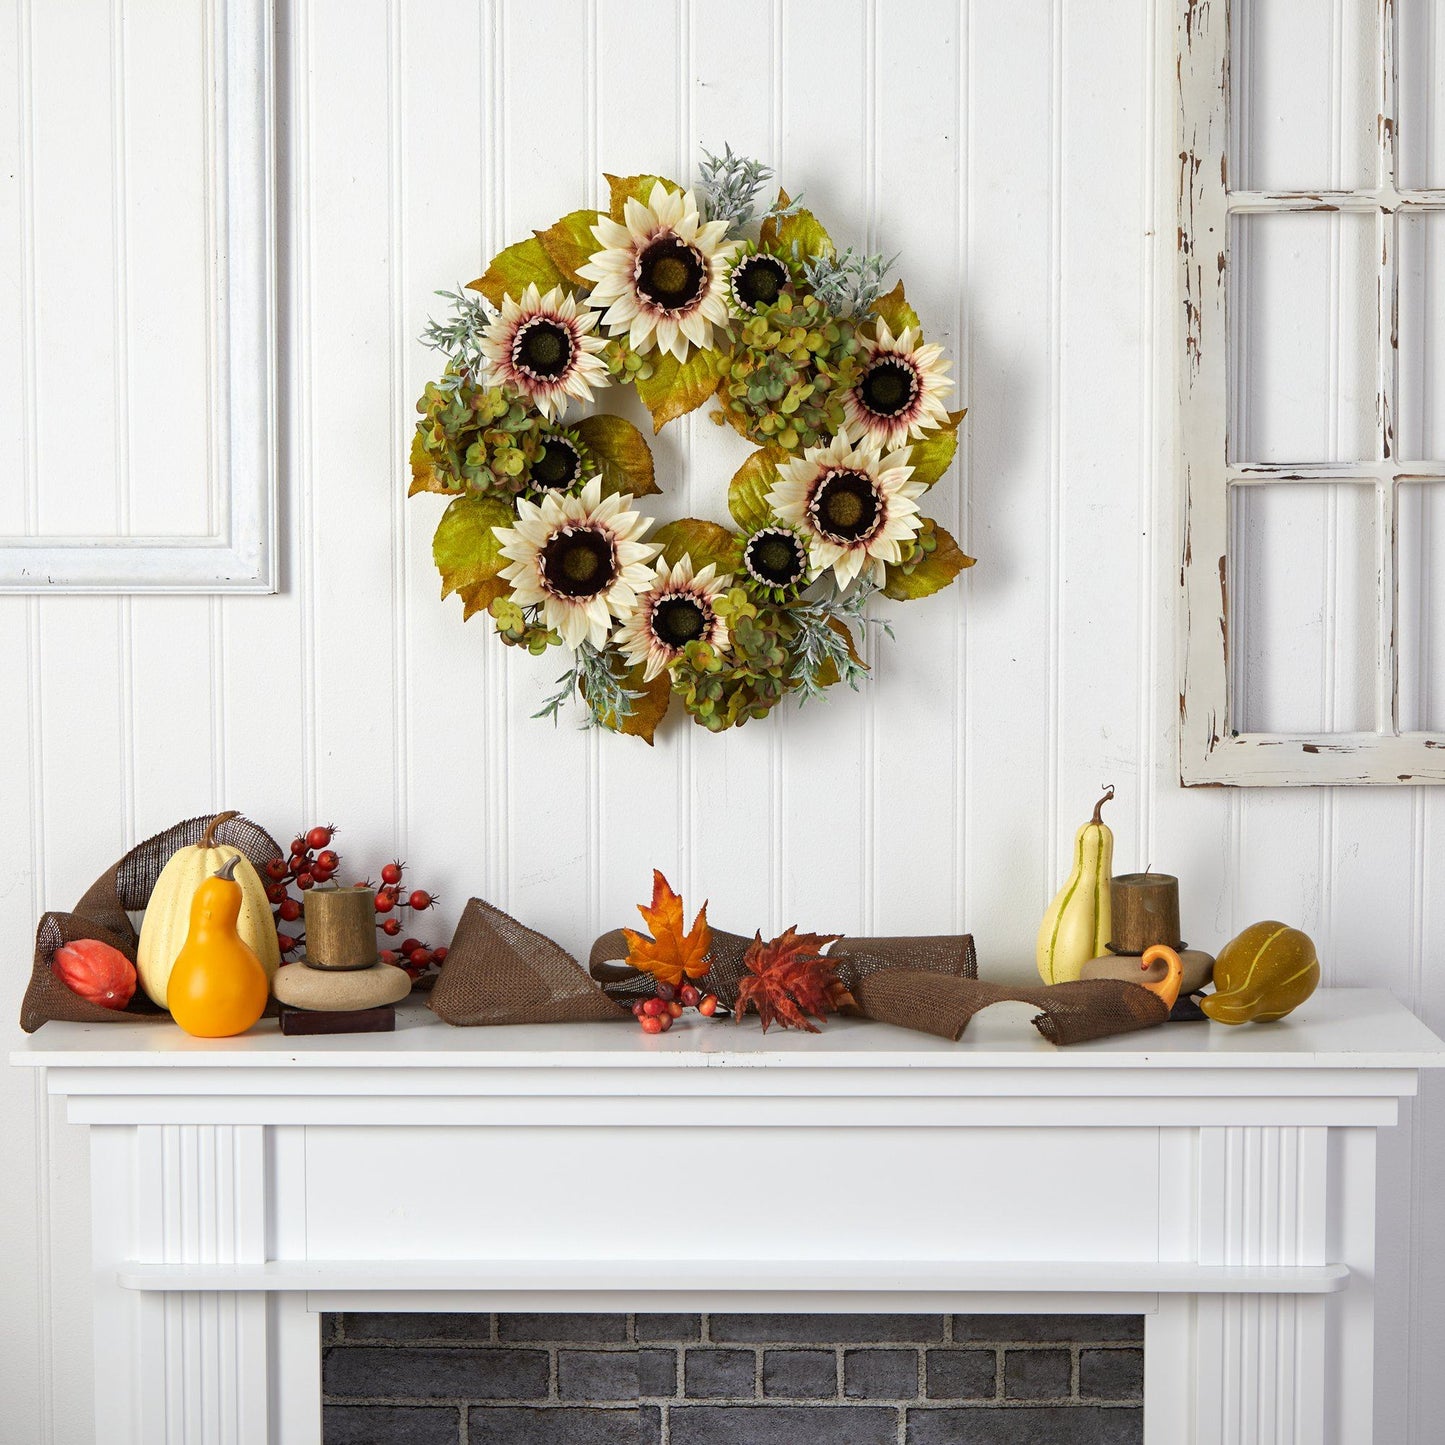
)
(345, 1021)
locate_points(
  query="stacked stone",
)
(342, 972)
(732, 1379)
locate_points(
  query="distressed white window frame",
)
(1211, 750)
(242, 556)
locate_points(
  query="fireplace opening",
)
(732, 1379)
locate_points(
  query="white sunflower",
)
(852, 504)
(578, 558)
(662, 275)
(676, 609)
(899, 395)
(543, 348)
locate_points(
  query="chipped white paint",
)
(1213, 747)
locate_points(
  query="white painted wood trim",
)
(1246, 1239)
(243, 557)
(1358, 1030)
(1212, 751)
(724, 1277)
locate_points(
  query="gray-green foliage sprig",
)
(849, 283)
(608, 701)
(459, 337)
(730, 184)
(818, 643)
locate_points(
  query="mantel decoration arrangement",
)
(219, 916)
(685, 297)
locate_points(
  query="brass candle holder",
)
(341, 928)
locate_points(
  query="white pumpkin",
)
(168, 914)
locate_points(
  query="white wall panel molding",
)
(146, 439)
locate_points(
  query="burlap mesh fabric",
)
(1070, 1013)
(857, 959)
(500, 972)
(104, 914)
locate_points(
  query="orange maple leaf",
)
(672, 951)
(789, 979)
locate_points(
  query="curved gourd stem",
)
(208, 838)
(227, 870)
(1099, 806)
(1167, 988)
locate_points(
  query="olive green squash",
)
(1262, 975)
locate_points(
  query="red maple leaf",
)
(789, 979)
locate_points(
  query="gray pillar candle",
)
(1146, 911)
(341, 928)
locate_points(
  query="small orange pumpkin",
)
(96, 972)
(218, 987)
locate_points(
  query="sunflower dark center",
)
(677, 621)
(758, 281)
(775, 557)
(845, 507)
(888, 387)
(557, 467)
(579, 562)
(670, 273)
(543, 349)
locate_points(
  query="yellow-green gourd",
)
(168, 913)
(1080, 920)
(1269, 970)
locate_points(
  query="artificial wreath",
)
(804, 355)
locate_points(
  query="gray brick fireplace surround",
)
(686, 1379)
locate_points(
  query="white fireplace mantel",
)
(1219, 1181)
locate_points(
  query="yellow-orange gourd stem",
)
(1168, 987)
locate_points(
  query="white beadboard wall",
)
(1018, 156)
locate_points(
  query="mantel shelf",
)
(1336, 1029)
(728, 1277)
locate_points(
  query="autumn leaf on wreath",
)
(673, 950)
(789, 979)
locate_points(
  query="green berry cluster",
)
(791, 367)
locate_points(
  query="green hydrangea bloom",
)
(793, 363)
(624, 365)
(519, 628)
(474, 439)
(725, 689)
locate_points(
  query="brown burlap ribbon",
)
(500, 972)
(104, 914)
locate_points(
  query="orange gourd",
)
(218, 986)
(1168, 987)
